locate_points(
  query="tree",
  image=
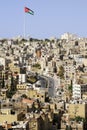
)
(78, 118)
(70, 88)
(61, 72)
(24, 96)
(13, 84)
(68, 127)
(3, 82)
(37, 65)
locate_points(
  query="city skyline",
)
(51, 18)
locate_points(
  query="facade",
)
(79, 90)
(68, 36)
(22, 78)
(69, 71)
(34, 94)
(14, 69)
(21, 86)
(78, 109)
(2, 61)
(84, 96)
(69, 124)
(8, 117)
(3, 93)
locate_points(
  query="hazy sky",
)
(51, 18)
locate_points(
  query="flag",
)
(27, 10)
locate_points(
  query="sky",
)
(51, 18)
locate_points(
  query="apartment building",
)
(34, 94)
(77, 108)
(79, 90)
(8, 114)
(14, 69)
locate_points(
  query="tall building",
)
(78, 90)
(22, 78)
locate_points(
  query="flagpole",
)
(27, 10)
(24, 25)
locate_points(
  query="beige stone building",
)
(84, 96)
(10, 112)
(7, 116)
(14, 69)
(34, 94)
(77, 109)
(21, 86)
(3, 93)
(40, 121)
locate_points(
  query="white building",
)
(68, 36)
(69, 72)
(22, 78)
(2, 61)
(43, 63)
(78, 90)
(10, 42)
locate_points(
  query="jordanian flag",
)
(27, 10)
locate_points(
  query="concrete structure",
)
(78, 109)
(22, 86)
(14, 69)
(22, 78)
(3, 93)
(68, 36)
(2, 61)
(78, 90)
(34, 94)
